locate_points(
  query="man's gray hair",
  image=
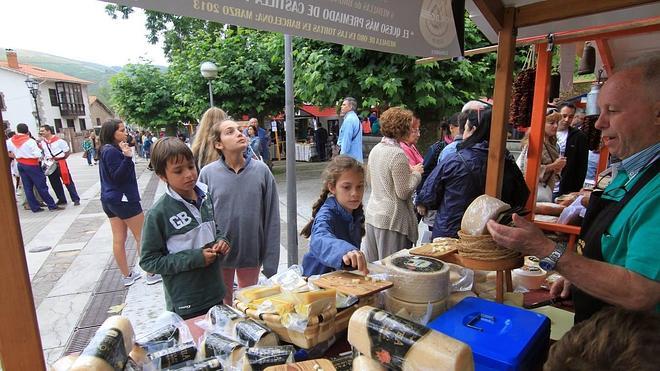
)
(474, 105)
(649, 66)
(352, 102)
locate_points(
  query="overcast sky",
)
(76, 29)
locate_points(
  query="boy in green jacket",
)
(179, 239)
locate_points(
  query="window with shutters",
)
(53, 97)
(70, 99)
(83, 126)
(71, 124)
(58, 125)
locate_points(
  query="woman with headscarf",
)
(461, 178)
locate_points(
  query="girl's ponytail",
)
(307, 230)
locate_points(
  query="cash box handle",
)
(471, 323)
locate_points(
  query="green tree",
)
(142, 95)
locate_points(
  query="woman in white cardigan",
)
(391, 224)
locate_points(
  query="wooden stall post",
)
(540, 103)
(20, 343)
(501, 98)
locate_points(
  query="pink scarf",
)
(414, 157)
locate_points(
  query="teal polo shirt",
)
(633, 239)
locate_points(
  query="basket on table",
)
(482, 247)
(319, 328)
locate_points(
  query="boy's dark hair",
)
(166, 149)
(569, 105)
(22, 128)
(49, 128)
(613, 339)
(107, 132)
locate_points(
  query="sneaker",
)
(76, 203)
(130, 279)
(61, 202)
(57, 208)
(151, 279)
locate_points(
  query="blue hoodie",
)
(335, 232)
(118, 180)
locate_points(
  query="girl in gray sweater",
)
(246, 206)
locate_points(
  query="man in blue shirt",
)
(617, 262)
(350, 133)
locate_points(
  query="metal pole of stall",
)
(291, 198)
(211, 93)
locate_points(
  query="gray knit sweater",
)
(392, 185)
(246, 208)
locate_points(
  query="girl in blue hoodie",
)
(337, 224)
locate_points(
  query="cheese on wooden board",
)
(252, 334)
(109, 348)
(260, 358)
(308, 297)
(418, 279)
(404, 345)
(364, 363)
(414, 311)
(222, 347)
(480, 211)
(248, 294)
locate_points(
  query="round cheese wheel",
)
(253, 334)
(414, 311)
(217, 345)
(418, 279)
(109, 348)
(224, 318)
(480, 211)
(364, 363)
(532, 261)
(400, 344)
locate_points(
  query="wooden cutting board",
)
(436, 250)
(323, 364)
(351, 284)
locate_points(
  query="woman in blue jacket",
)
(337, 224)
(120, 197)
(461, 178)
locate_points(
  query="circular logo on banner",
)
(436, 22)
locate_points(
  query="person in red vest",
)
(27, 153)
(57, 149)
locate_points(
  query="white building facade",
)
(61, 102)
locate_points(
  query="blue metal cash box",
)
(502, 337)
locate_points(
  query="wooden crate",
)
(319, 328)
(344, 315)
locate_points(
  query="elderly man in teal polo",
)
(618, 257)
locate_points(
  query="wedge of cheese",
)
(109, 348)
(400, 344)
(277, 304)
(364, 363)
(317, 307)
(249, 294)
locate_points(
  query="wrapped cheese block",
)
(222, 347)
(167, 332)
(257, 359)
(109, 348)
(252, 334)
(480, 211)
(171, 356)
(400, 344)
(138, 354)
(415, 312)
(364, 363)
(224, 318)
(252, 293)
(418, 279)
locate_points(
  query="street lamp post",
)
(210, 72)
(33, 86)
